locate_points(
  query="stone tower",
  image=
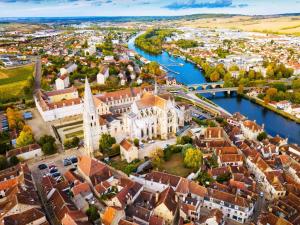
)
(90, 121)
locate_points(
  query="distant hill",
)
(75, 20)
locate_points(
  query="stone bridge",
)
(203, 86)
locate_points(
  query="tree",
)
(3, 162)
(14, 160)
(240, 89)
(47, 142)
(215, 76)
(136, 142)
(193, 158)
(157, 158)
(271, 92)
(25, 138)
(184, 140)
(267, 99)
(106, 141)
(224, 177)
(261, 136)
(92, 213)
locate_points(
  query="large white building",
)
(54, 105)
(130, 113)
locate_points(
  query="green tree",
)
(157, 158)
(261, 136)
(47, 142)
(14, 160)
(193, 158)
(92, 213)
(3, 162)
(225, 177)
(184, 140)
(105, 143)
(215, 76)
(136, 142)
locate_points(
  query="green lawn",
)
(12, 83)
(175, 166)
(8, 76)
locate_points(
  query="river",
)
(190, 74)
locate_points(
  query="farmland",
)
(13, 82)
(277, 25)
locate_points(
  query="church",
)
(130, 113)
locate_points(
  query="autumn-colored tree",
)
(193, 158)
(267, 99)
(240, 89)
(157, 158)
(215, 76)
(25, 137)
(271, 92)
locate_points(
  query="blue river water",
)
(190, 74)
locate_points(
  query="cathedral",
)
(130, 113)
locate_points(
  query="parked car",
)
(54, 170)
(42, 166)
(67, 162)
(57, 174)
(73, 159)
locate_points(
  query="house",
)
(31, 216)
(215, 217)
(166, 205)
(112, 216)
(102, 75)
(69, 68)
(26, 152)
(232, 206)
(62, 82)
(128, 151)
(93, 171)
(190, 209)
(250, 129)
(270, 219)
(54, 105)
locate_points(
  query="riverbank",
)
(269, 107)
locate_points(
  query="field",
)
(175, 166)
(13, 81)
(277, 25)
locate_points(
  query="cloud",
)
(243, 5)
(194, 4)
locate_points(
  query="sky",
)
(62, 8)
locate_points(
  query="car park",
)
(42, 166)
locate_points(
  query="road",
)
(37, 74)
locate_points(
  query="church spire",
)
(89, 105)
(90, 121)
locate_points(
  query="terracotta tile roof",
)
(185, 186)
(90, 166)
(126, 144)
(252, 125)
(150, 100)
(271, 219)
(18, 151)
(81, 188)
(24, 218)
(231, 158)
(61, 92)
(167, 197)
(164, 178)
(109, 215)
(214, 132)
(125, 222)
(156, 220)
(226, 150)
(227, 197)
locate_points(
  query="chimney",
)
(209, 133)
(220, 133)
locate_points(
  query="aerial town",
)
(152, 121)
